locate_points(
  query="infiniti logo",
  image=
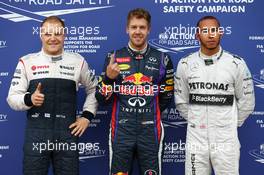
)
(137, 100)
(152, 59)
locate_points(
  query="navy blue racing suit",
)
(138, 95)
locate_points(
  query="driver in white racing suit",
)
(214, 93)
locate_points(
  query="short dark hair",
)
(53, 18)
(205, 18)
(139, 13)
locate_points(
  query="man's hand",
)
(79, 126)
(37, 97)
(112, 70)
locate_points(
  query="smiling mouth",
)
(54, 44)
(211, 42)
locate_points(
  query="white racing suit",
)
(215, 95)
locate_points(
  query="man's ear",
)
(149, 30)
(197, 36)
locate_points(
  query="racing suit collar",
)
(138, 54)
(211, 59)
(52, 58)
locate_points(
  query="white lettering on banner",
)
(178, 9)
(204, 9)
(256, 38)
(216, 1)
(201, 1)
(3, 74)
(2, 44)
(221, 9)
(45, 2)
(260, 48)
(180, 1)
(241, 1)
(260, 123)
(62, 2)
(3, 117)
(210, 6)
(72, 2)
(4, 147)
(257, 113)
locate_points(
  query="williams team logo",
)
(258, 154)
(16, 14)
(176, 39)
(259, 79)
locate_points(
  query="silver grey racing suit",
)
(215, 95)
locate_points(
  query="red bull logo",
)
(137, 79)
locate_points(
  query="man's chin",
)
(138, 45)
(211, 47)
(54, 52)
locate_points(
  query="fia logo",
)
(258, 154)
(171, 118)
(175, 39)
(259, 79)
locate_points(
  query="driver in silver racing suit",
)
(215, 95)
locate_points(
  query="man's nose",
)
(137, 30)
(53, 37)
(212, 34)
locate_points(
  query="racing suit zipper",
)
(137, 70)
(54, 74)
(207, 110)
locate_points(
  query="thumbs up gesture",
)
(112, 70)
(37, 97)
